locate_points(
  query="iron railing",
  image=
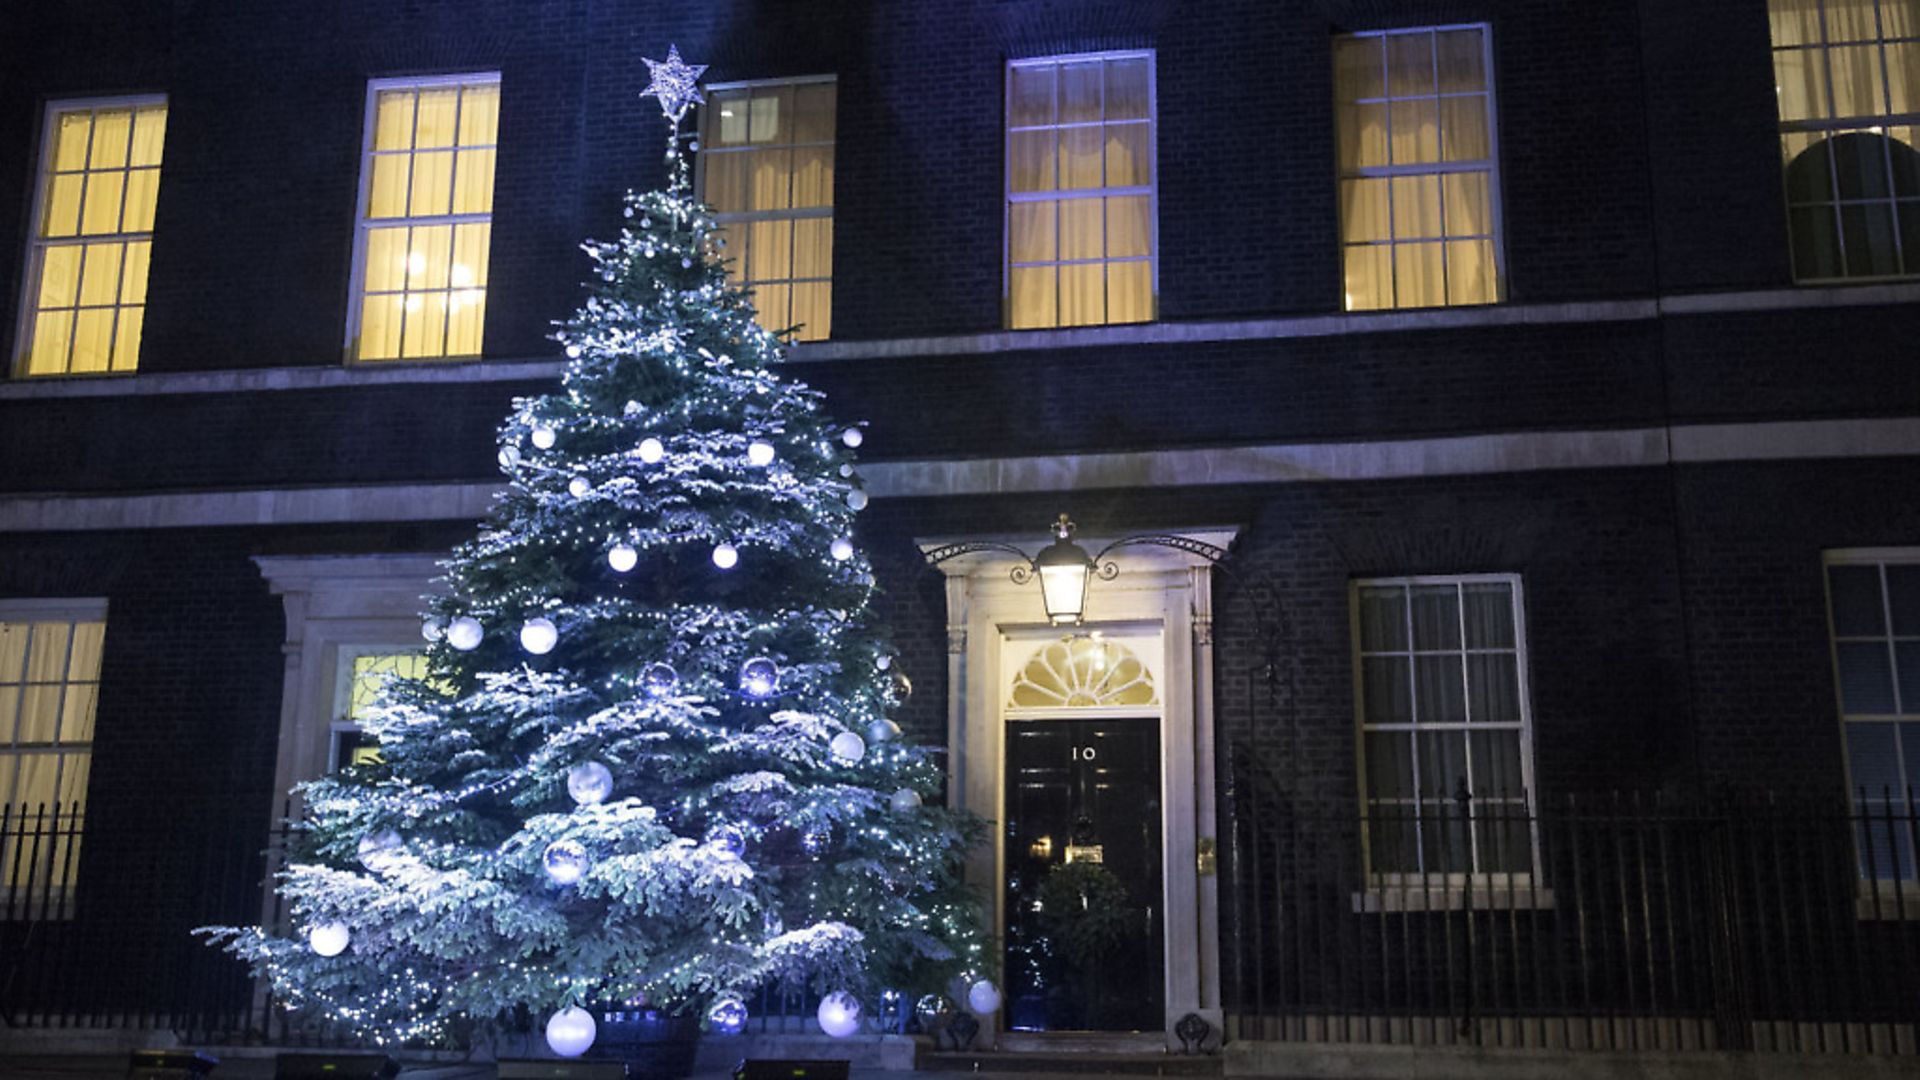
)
(1629, 922)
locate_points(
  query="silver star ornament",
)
(674, 83)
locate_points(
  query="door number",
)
(1083, 753)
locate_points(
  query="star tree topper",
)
(674, 83)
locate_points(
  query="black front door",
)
(1084, 948)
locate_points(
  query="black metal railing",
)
(1628, 922)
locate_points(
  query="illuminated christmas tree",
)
(651, 761)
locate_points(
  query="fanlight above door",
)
(1082, 672)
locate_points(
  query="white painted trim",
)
(397, 372)
(56, 609)
(1466, 455)
(1158, 592)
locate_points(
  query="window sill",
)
(1415, 899)
(1887, 901)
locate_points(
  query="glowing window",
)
(86, 275)
(426, 218)
(1080, 190)
(366, 676)
(1419, 188)
(1847, 80)
(49, 685)
(766, 169)
(1082, 672)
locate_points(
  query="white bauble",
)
(841, 549)
(659, 679)
(565, 861)
(589, 782)
(539, 636)
(839, 1014)
(571, 1031)
(543, 437)
(759, 454)
(904, 800)
(632, 408)
(759, 677)
(882, 730)
(329, 938)
(432, 630)
(856, 499)
(853, 436)
(378, 848)
(727, 1017)
(983, 998)
(578, 487)
(848, 747)
(509, 456)
(883, 661)
(652, 450)
(464, 633)
(622, 558)
(725, 556)
(573, 352)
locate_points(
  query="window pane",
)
(1362, 136)
(1850, 20)
(112, 128)
(387, 191)
(813, 311)
(1030, 96)
(1903, 74)
(74, 131)
(1493, 684)
(814, 107)
(771, 302)
(1439, 691)
(100, 274)
(1419, 275)
(473, 182)
(1866, 678)
(1867, 232)
(1030, 297)
(380, 318)
(1416, 131)
(1032, 154)
(813, 176)
(1859, 165)
(1903, 597)
(143, 189)
(1127, 89)
(772, 251)
(1387, 690)
(1410, 64)
(52, 343)
(725, 180)
(429, 257)
(770, 179)
(425, 333)
(1436, 617)
(126, 340)
(1083, 295)
(1127, 150)
(1795, 22)
(101, 210)
(433, 124)
(1469, 205)
(1030, 231)
(60, 275)
(1462, 65)
(1129, 292)
(40, 712)
(76, 713)
(1383, 623)
(1443, 765)
(1489, 615)
(1857, 79)
(1080, 95)
(1416, 206)
(466, 313)
(1816, 242)
(730, 112)
(813, 248)
(1369, 277)
(431, 188)
(1389, 757)
(1873, 765)
(1444, 845)
(92, 341)
(393, 120)
(1496, 766)
(1800, 83)
(1907, 667)
(1129, 226)
(479, 115)
(1081, 158)
(13, 656)
(1463, 125)
(770, 115)
(1364, 211)
(62, 214)
(1470, 272)
(1082, 228)
(1358, 68)
(1855, 594)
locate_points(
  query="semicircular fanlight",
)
(1082, 672)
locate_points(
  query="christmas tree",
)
(650, 761)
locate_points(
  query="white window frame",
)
(791, 213)
(1491, 167)
(362, 224)
(1493, 885)
(37, 244)
(1879, 558)
(1828, 127)
(1010, 197)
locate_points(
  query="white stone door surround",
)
(1159, 590)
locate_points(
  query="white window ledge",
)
(1415, 899)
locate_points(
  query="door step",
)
(1109, 1063)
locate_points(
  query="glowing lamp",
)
(1064, 568)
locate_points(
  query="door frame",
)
(1163, 589)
